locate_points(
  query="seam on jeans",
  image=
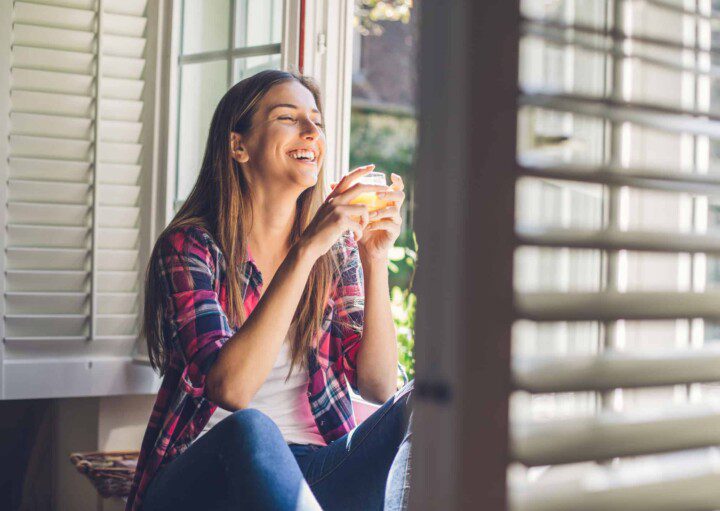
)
(359, 443)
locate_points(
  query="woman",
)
(254, 411)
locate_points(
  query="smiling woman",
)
(261, 310)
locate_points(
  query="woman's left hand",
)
(385, 224)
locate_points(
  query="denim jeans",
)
(244, 463)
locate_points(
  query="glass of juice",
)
(370, 198)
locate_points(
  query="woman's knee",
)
(250, 424)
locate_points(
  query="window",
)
(221, 43)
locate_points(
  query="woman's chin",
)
(308, 175)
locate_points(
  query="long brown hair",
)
(220, 203)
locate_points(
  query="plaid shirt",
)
(197, 327)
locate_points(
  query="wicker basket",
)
(110, 472)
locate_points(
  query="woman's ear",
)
(237, 149)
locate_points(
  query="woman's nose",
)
(310, 129)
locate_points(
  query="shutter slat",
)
(110, 173)
(49, 170)
(121, 110)
(117, 259)
(705, 184)
(55, 104)
(120, 24)
(118, 195)
(32, 280)
(651, 116)
(127, 7)
(118, 88)
(118, 303)
(117, 237)
(676, 482)
(46, 326)
(50, 303)
(58, 192)
(52, 81)
(120, 131)
(47, 59)
(74, 4)
(50, 126)
(53, 16)
(118, 216)
(610, 306)
(124, 67)
(122, 46)
(619, 240)
(47, 237)
(36, 258)
(117, 324)
(128, 154)
(117, 281)
(610, 435)
(52, 148)
(609, 370)
(57, 38)
(48, 214)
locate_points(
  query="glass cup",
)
(371, 199)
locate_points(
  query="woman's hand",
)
(336, 215)
(385, 224)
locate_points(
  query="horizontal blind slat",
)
(610, 306)
(611, 369)
(610, 435)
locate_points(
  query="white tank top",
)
(287, 404)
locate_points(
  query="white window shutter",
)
(74, 217)
(663, 454)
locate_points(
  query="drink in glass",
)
(371, 199)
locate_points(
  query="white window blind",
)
(75, 220)
(615, 351)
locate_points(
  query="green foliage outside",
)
(389, 141)
(368, 14)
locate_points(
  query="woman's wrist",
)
(304, 253)
(373, 260)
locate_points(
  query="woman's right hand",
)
(336, 215)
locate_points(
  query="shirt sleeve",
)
(199, 325)
(349, 303)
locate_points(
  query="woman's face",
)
(287, 120)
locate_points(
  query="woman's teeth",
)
(306, 156)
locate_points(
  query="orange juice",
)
(372, 201)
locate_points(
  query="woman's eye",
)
(286, 117)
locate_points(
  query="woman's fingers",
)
(392, 212)
(355, 190)
(397, 182)
(384, 225)
(395, 196)
(350, 178)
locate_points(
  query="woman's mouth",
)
(304, 156)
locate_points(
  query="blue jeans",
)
(244, 463)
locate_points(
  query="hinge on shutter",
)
(438, 391)
(321, 43)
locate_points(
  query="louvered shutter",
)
(613, 363)
(74, 218)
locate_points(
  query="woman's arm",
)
(377, 357)
(248, 356)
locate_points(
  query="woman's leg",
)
(242, 463)
(369, 468)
